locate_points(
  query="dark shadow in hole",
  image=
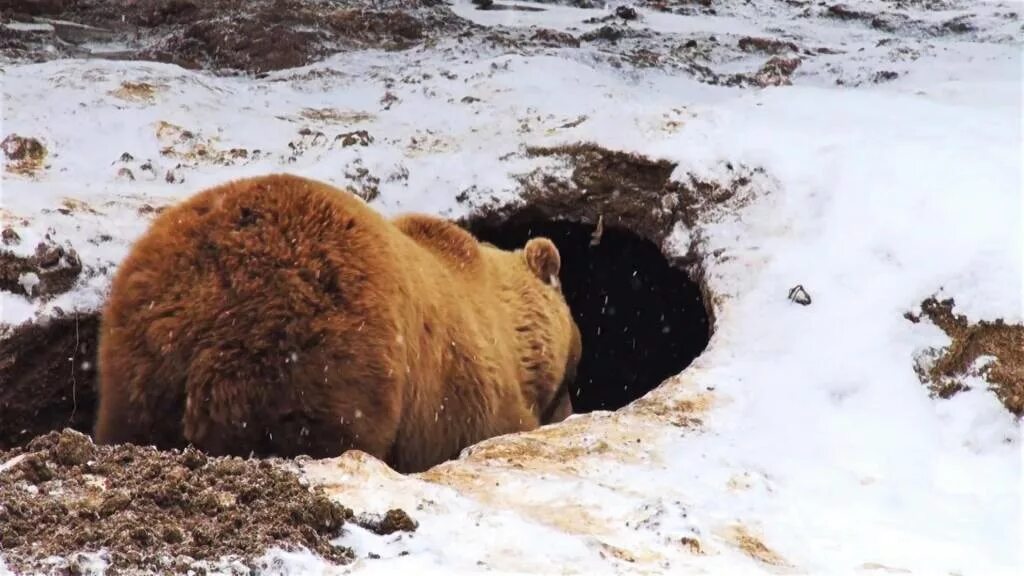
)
(641, 319)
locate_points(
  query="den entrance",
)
(642, 320)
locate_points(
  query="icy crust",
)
(802, 440)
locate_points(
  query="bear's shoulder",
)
(443, 237)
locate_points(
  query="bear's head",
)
(544, 261)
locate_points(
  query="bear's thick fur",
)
(278, 315)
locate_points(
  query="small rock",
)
(626, 12)
(10, 236)
(884, 76)
(396, 520)
(359, 137)
(25, 155)
(799, 295)
(605, 33)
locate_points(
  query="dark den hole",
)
(641, 319)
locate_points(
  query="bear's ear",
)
(543, 259)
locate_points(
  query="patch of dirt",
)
(24, 155)
(53, 269)
(395, 520)
(254, 36)
(555, 38)
(684, 413)
(10, 237)
(361, 182)
(692, 544)
(142, 92)
(356, 138)
(897, 22)
(191, 149)
(752, 546)
(611, 34)
(334, 116)
(993, 351)
(775, 72)
(47, 378)
(621, 189)
(156, 511)
(766, 45)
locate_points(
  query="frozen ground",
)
(818, 450)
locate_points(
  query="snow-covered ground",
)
(819, 450)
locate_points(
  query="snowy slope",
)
(819, 451)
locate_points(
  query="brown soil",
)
(766, 45)
(943, 371)
(24, 155)
(775, 72)
(395, 520)
(55, 267)
(619, 189)
(48, 378)
(157, 511)
(555, 38)
(752, 546)
(225, 35)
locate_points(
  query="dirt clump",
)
(10, 237)
(53, 269)
(255, 36)
(991, 350)
(158, 511)
(844, 12)
(24, 155)
(620, 189)
(753, 546)
(766, 45)
(395, 520)
(775, 72)
(555, 38)
(47, 378)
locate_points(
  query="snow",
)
(817, 437)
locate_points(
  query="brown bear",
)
(280, 316)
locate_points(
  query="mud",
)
(255, 36)
(158, 511)
(47, 378)
(998, 346)
(52, 270)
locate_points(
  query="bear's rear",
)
(233, 320)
